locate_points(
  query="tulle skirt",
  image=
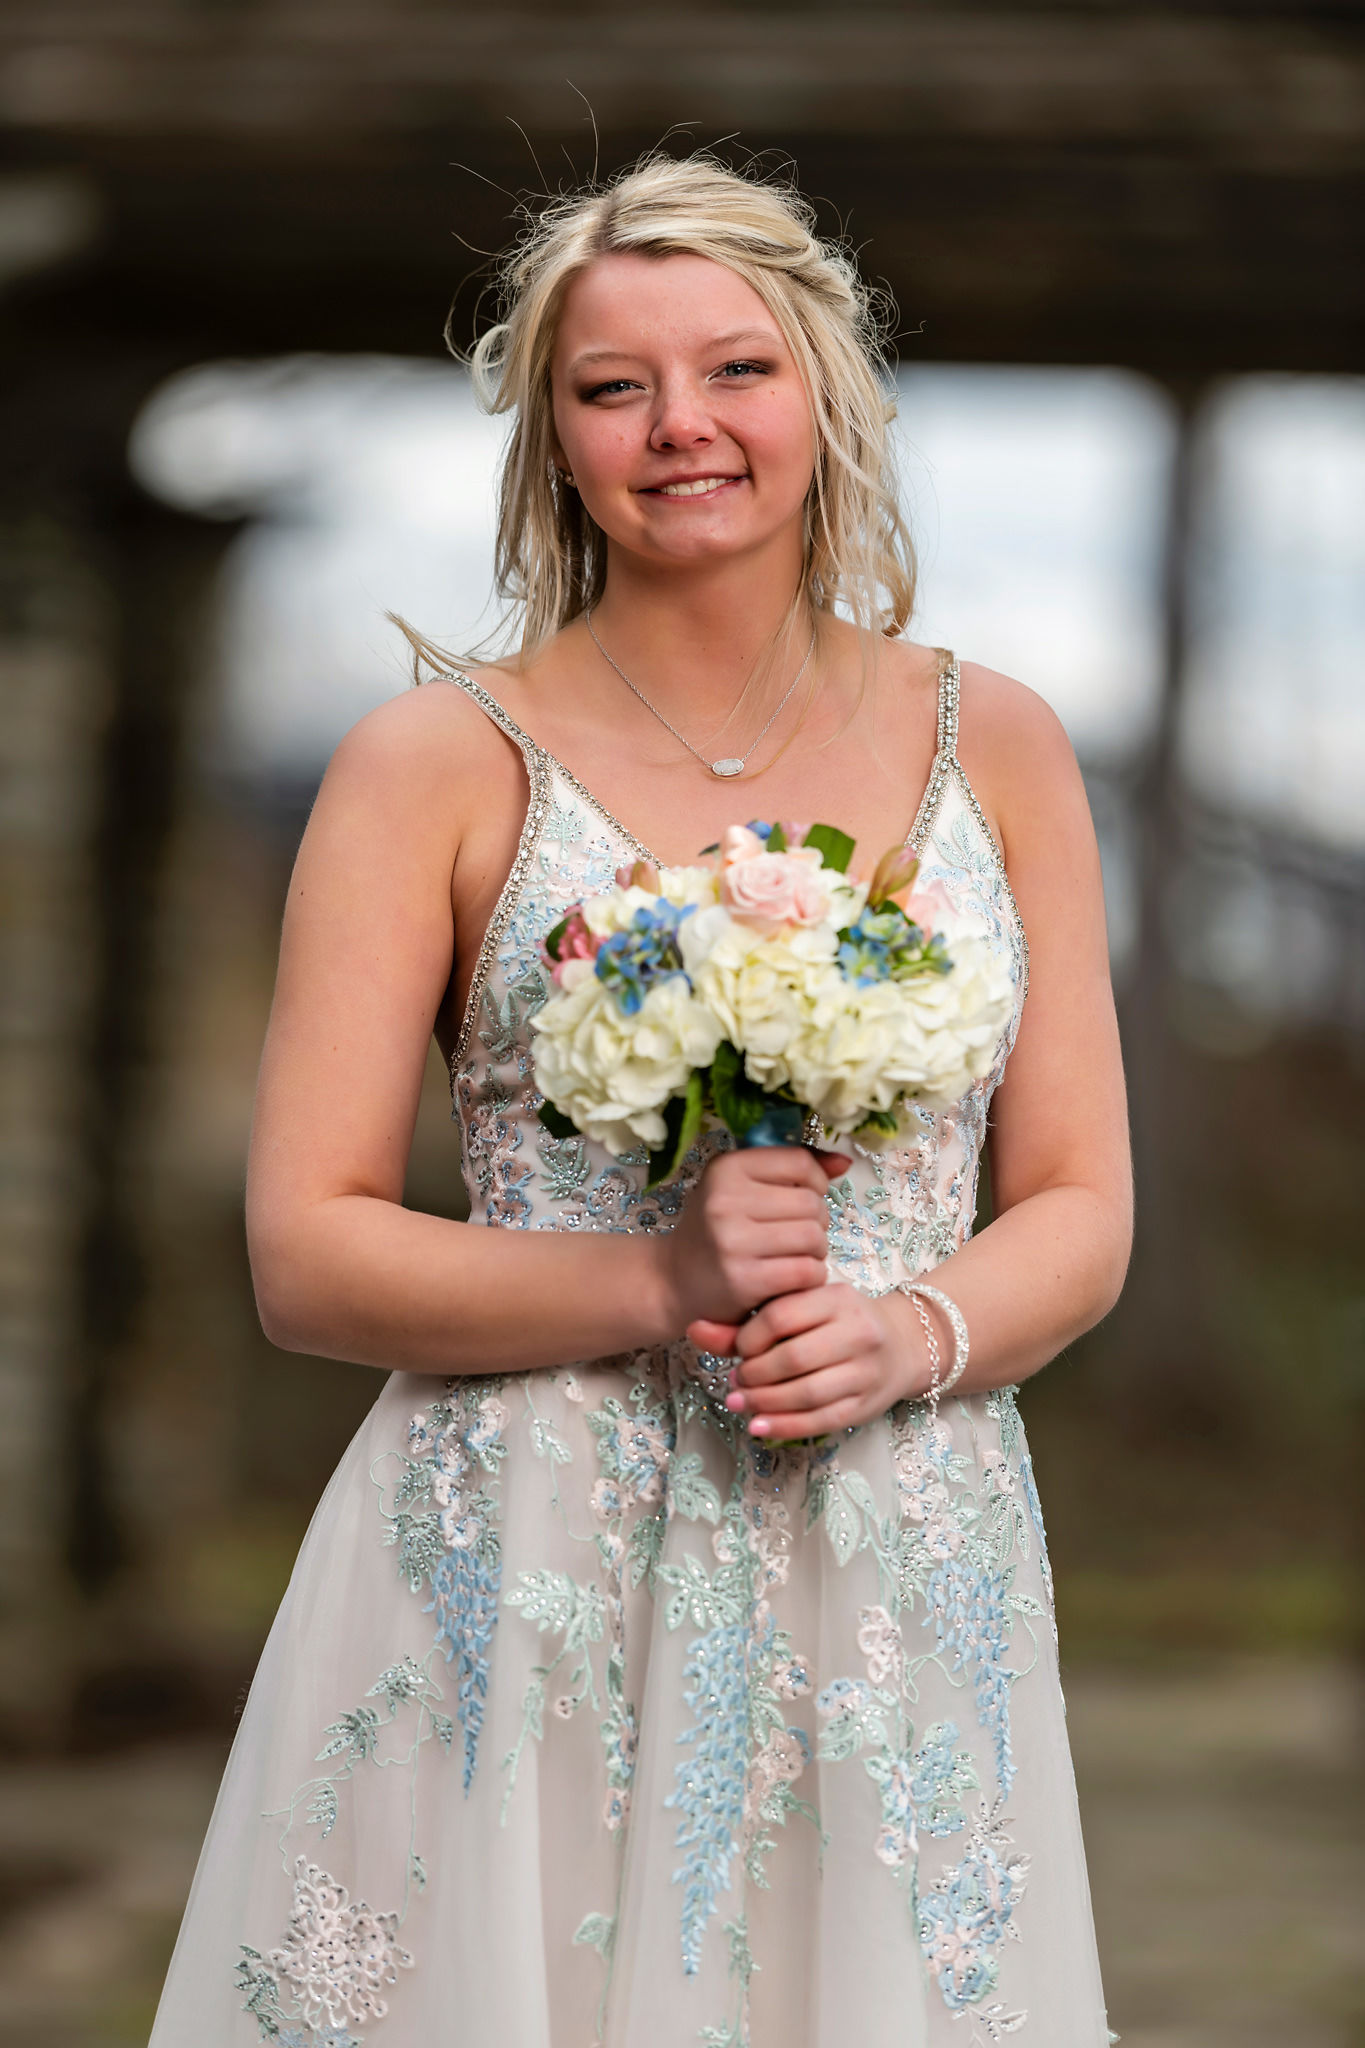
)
(587, 1720)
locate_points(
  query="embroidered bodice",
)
(893, 1215)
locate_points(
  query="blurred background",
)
(1126, 244)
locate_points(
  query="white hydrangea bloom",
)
(612, 1073)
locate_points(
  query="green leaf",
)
(834, 847)
(553, 937)
(597, 1931)
(739, 1103)
(777, 840)
(555, 1121)
(855, 1485)
(692, 1494)
(841, 1525)
(878, 1121)
(682, 1120)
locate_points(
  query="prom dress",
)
(587, 1720)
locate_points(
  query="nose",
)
(682, 418)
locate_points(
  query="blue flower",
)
(884, 945)
(629, 962)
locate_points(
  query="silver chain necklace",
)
(730, 764)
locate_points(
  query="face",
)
(679, 410)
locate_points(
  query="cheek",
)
(785, 441)
(600, 445)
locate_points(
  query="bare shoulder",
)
(427, 743)
(1016, 754)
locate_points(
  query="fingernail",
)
(759, 1426)
(735, 1403)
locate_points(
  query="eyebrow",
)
(622, 355)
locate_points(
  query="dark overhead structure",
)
(1181, 188)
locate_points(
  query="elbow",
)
(278, 1279)
(277, 1307)
(1113, 1251)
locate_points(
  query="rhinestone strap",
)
(540, 769)
(947, 768)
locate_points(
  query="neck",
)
(693, 638)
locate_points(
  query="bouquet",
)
(762, 990)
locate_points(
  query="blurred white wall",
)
(1037, 497)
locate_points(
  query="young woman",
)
(623, 1694)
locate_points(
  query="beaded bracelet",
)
(956, 1322)
(930, 1345)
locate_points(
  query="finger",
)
(785, 1276)
(796, 1240)
(844, 1413)
(833, 1164)
(781, 1202)
(794, 1359)
(788, 1315)
(813, 1389)
(791, 1165)
(717, 1338)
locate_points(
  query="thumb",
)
(718, 1338)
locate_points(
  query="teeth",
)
(695, 490)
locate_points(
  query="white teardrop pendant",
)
(727, 767)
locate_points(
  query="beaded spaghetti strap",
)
(945, 745)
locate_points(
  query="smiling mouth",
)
(700, 487)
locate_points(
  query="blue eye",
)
(745, 369)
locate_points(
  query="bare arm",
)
(341, 1268)
(1052, 1261)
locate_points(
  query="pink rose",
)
(930, 907)
(576, 942)
(775, 888)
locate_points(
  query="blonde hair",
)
(550, 560)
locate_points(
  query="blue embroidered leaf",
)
(710, 1783)
(464, 1598)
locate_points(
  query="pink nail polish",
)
(735, 1403)
(759, 1426)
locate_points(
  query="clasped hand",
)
(818, 1355)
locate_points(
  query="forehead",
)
(634, 305)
